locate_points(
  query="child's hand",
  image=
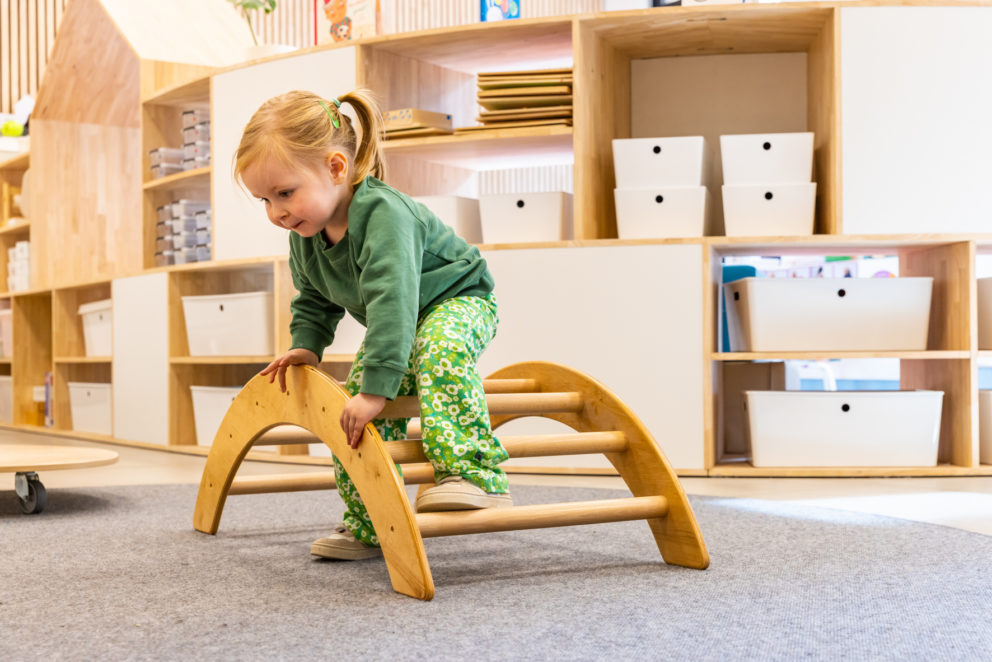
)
(357, 413)
(298, 356)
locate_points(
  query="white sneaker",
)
(343, 546)
(456, 493)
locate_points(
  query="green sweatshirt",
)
(396, 261)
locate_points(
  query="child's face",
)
(304, 200)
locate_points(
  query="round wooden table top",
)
(39, 457)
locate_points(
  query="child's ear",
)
(337, 166)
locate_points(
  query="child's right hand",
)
(298, 356)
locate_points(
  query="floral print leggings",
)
(442, 372)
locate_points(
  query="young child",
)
(424, 295)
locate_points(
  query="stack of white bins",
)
(19, 266)
(182, 234)
(461, 214)
(165, 161)
(661, 188)
(196, 139)
(525, 217)
(767, 184)
(985, 396)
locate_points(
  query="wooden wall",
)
(27, 34)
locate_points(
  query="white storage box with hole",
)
(97, 327)
(985, 313)
(461, 214)
(663, 212)
(844, 429)
(229, 324)
(772, 210)
(653, 162)
(90, 406)
(6, 399)
(6, 333)
(509, 218)
(828, 314)
(210, 405)
(985, 427)
(767, 158)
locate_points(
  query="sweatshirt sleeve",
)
(390, 260)
(314, 318)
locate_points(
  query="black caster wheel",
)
(30, 492)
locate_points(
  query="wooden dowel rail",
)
(413, 474)
(504, 385)
(456, 523)
(407, 406)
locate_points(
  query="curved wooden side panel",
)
(643, 466)
(313, 400)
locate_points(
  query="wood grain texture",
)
(38, 457)
(32, 335)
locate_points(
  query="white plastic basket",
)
(210, 405)
(97, 320)
(90, 406)
(229, 324)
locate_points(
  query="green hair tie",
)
(334, 120)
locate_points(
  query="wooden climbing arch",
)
(314, 401)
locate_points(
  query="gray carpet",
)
(119, 573)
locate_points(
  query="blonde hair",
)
(300, 127)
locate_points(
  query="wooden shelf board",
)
(179, 179)
(220, 360)
(185, 95)
(252, 263)
(6, 360)
(759, 356)
(745, 469)
(482, 150)
(16, 229)
(19, 162)
(824, 244)
(82, 360)
(34, 291)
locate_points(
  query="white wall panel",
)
(241, 229)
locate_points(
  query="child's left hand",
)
(357, 413)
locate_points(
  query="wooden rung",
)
(456, 523)
(413, 474)
(538, 445)
(407, 406)
(284, 435)
(504, 385)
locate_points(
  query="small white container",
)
(97, 327)
(523, 217)
(985, 313)
(985, 427)
(655, 162)
(193, 117)
(6, 333)
(663, 212)
(6, 399)
(90, 407)
(170, 155)
(767, 158)
(189, 208)
(165, 169)
(198, 149)
(229, 324)
(461, 214)
(210, 405)
(773, 210)
(844, 429)
(828, 314)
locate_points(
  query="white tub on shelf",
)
(828, 314)
(90, 406)
(767, 158)
(985, 427)
(97, 318)
(460, 213)
(6, 399)
(653, 162)
(229, 324)
(769, 210)
(210, 405)
(662, 212)
(509, 218)
(844, 429)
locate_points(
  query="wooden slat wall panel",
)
(27, 34)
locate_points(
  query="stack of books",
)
(510, 99)
(413, 122)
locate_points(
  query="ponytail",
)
(368, 154)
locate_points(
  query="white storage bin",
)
(462, 214)
(828, 314)
(984, 427)
(985, 313)
(6, 399)
(773, 210)
(521, 217)
(844, 429)
(90, 407)
(663, 212)
(229, 324)
(210, 405)
(6, 333)
(654, 162)
(767, 158)
(97, 327)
